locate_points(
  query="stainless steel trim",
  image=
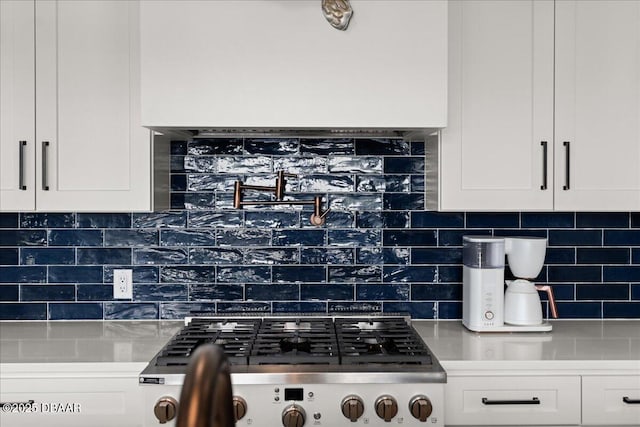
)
(544, 165)
(45, 169)
(567, 169)
(21, 185)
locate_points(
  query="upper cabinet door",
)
(17, 109)
(500, 107)
(597, 105)
(92, 152)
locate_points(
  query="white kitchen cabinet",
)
(279, 64)
(89, 152)
(500, 107)
(611, 400)
(509, 94)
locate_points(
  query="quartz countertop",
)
(573, 345)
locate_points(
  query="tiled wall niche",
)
(380, 251)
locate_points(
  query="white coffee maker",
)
(486, 307)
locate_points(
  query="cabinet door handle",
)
(45, 169)
(533, 401)
(544, 165)
(567, 168)
(21, 186)
(630, 401)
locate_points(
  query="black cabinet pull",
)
(533, 401)
(45, 184)
(630, 401)
(567, 168)
(544, 165)
(22, 146)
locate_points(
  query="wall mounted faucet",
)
(317, 217)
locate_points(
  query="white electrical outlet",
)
(123, 284)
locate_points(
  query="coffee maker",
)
(486, 307)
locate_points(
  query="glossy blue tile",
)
(323, 292)
(178, 182)
(160, 256)
(603, 255)
(75, 311)
(621, 237)
(575, 274)
(383, 183)
(560, 256)
(23, 237)
(621, 274)
(244, 165)
(271, 146)
(177, 164)
(635, 292)
(382, 255)
(23, 311)
(394, 274)
(635, 219)
(409, 237)
(75, 274)
(9, 293)
(417, 148)
(244, 307)
(519, 232)
(272, 219)
(130, 310)
(131, 237)
(454, 237)
(403, 201)
(382, 292)
(381, 146)
(47, 220)
(47, 256)
(273, 292)
(210, 219)
(190, 274)
(271, 256)
(203, 164)
(355, 274)
(180, 310)
(382, 219)
(602, 220)
(354, 238)
(449, 310)
(621, 310)
(580, 310)
(163, 292)
(436, 292)
(609, 291)
(94, 292)
(418, 184)
(327, 256)
(187, 237)
(356, 202)
(299, 274)
(547, 219)
(214, 146)
(327, 146)
(450, 274)
(9, 256)
(215, 292)
(211, 182)
(575, 238)
(8, 220)
(177, 200)
(244, 237)
(141, 274)
(100, 256)
(299, 307)
(360, 164)
(417, 310)
(47, 293)
(326, 183)
(405, 164)
(436, 255)
(198, 201)
(561, 292)
(178, 148)
(75, 237)
(635, 255)
(355, 307)
(334, 219)
(104, 220)
(244, 274)
(493, 220)
(426, 219)
(27, 274)
(301, 165)
(215, 256)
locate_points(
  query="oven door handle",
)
(533, 401)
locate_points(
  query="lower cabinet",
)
(512, 400)
(611, 400)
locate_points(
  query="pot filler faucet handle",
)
(206, 399)
(281, 183)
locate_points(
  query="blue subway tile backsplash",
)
(378, 252)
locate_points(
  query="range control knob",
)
(352, 407)
(239, 407)
(420, 407)
(386, 407)
(293, 416)
(165, 409)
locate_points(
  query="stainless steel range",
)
(304, 371)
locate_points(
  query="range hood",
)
(275, 67)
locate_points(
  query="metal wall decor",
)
(337, 12)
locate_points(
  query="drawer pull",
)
(533, 401)
(630, 401)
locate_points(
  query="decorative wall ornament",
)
(337, 12)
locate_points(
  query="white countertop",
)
(573, 345)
